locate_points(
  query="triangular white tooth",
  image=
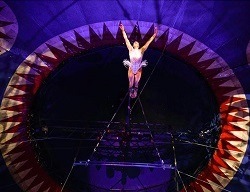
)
(11, 91)
(239, 114)
(29, 181)
(34, 60)
(224, 181)
(26, 183)
(37, 187)
(8, 125)
(223, 74)
(228, 83)
(49, 53)
(207, 55)
(232, 93)
(8, 114)
(70, 36)
(172, 35)
(204, 188)
(84, 32)
(236, 154)
(7, 136)
(239, 145)
(41, 49)
(22, 174)
(25, 69)
(229, 173)
(56, 42)
(242, 125)
(5, 126)
(47, 190)
(233, 164)
(185, 40)
(98, 29)
(12, 157)
(221, 62)
(5, 148)
(241, 105)
(18, 80)
(183, 43)
(215, 186)
(9, 103)
(214, 65)
(73, 41)
(195, 49)
(243, 135)
(17, 166)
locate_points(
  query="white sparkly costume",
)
(135, 62)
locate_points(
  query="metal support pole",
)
(125, 164)
(128, 117)
(175, 165)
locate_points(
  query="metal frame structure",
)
(141, 145)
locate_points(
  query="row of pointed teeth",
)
(35, 65)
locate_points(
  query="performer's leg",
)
(130, 78)
(138, 77)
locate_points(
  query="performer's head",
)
(136, 45)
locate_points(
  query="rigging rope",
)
(220, 187)
(176, 166)
(104, 132)
(151, 135)
(149, 77)
(71, 169)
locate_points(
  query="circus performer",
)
(136, 63)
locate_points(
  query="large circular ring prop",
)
(8, 28)
(17, 148)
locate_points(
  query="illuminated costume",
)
(135, 62)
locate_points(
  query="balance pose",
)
(135, 64)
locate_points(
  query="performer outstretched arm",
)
(145, 47)
(128, 44)
(135, 64)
